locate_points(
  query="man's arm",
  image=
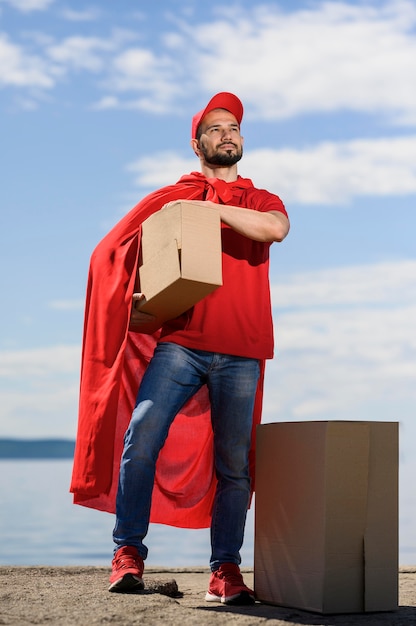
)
(267, 226)
(257, 225)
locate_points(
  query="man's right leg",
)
(169, 381)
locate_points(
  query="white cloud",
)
(161, 169)
(26, 6)
(328, 173)
(349, 364)
(106, 103)
(39, 391)
(21, 69)
(346, 344)
(141, 70)
(67, 305)
(81, 53)
(377, 284)
(333, 56)
(85, 15)
(48, 411)
(40, 362)
(42, 61)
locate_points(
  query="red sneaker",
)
(127, 571)
(226, 585)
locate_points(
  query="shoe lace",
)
(124, 561)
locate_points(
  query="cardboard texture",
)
(181, 259)
(326, 516)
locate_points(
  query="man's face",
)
(220, 141)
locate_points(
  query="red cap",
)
(222, 100)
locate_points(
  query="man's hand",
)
(138, 317)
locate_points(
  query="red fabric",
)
(113, 363)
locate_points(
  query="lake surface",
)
(39, 525)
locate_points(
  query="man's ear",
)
(195, 147)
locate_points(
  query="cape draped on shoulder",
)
(113, 362)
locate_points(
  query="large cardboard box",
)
(326, 516)
(181, 259)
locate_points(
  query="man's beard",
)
(220, 159)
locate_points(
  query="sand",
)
(78, 595)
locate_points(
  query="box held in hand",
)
(181, 259)
(326, 516)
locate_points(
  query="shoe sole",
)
(241, 599)
(127, 584)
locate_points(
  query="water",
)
(39, 525)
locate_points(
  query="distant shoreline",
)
(12, 448)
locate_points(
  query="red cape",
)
(113, 362)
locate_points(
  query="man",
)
(219, 345)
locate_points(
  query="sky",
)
(96, 101)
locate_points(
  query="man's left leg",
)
(232, 385)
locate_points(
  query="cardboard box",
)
(326, 516)
(181, 259)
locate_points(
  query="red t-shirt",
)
(236, 318)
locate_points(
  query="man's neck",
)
(228, 174)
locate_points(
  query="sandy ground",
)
(78, 595)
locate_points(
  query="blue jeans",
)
(173, 376)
